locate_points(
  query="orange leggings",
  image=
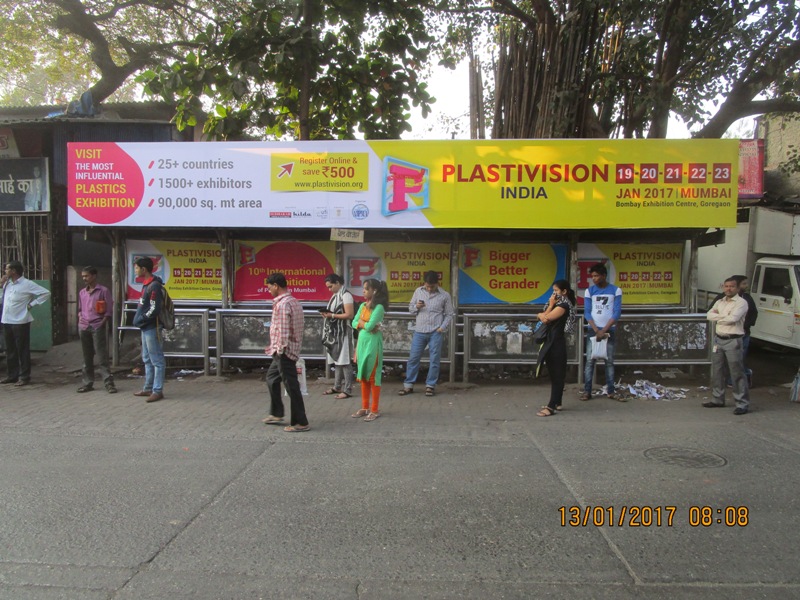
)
(369, 388)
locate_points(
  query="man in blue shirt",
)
(602, 308)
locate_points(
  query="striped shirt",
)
(286, 329)
(437, 312)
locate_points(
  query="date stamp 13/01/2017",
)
(653, 516)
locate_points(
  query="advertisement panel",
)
(189, 270)
(305, 265)
(401, 266)
(504, 184)
(646, 273)
(494, 273)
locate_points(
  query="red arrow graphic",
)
(286, 170)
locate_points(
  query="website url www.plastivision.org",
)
(321, 185)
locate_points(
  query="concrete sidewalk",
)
(464, 495)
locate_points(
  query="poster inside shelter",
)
(189, 270)
(24, 185)
(646, 273)
(498, 273)
(305, 265)
(401, 266)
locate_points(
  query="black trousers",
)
(18, 350)
(284, 369)
(556, 361)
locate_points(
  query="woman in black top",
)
(559, 317)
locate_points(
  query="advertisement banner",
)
(189, 270)
(646, 273)
(492, 273)
(751, 168)
(24, 185)
(503, 184)
(305, 265)
(401, 266)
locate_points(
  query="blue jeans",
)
(432, 340)
(588, 372)
(153, 358)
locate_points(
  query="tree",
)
(45, 43)
(598, 68)
(309, 69)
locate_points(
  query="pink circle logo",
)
(104, 184)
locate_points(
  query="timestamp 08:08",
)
(651, 516)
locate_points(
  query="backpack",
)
(167, 315)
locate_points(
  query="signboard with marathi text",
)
(189, 270)
(24, 185)
(504, 184)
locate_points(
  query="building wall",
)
(779, 133)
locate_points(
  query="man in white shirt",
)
(19, 295)
(729, 314)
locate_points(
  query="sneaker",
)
(111, 388)
(740, 411)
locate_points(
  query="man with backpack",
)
(147, 320)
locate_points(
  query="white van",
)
(775, 287)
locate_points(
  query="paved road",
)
(459, 496)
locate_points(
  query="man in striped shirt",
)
(433, 308)
(285, 340)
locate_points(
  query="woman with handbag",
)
(337, 336)
(558, 317)
(369, 352)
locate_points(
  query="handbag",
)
(328, 335)
(599, 349)
(540, 332)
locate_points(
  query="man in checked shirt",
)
(285, 340)
(434, 310)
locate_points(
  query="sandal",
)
(297, 428)
(372, 416)
(342, 395)
(546, 412)
(331, 392)
(363, 412)
(85, 388)
(405, 392)
(558, 408)
(270, 420)
(429, 391)
(584, 396)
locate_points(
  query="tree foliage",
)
(309, 69)
(56, 49)
(598, 68)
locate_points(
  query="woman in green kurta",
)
(369, 351)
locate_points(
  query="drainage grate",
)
(686, 457)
